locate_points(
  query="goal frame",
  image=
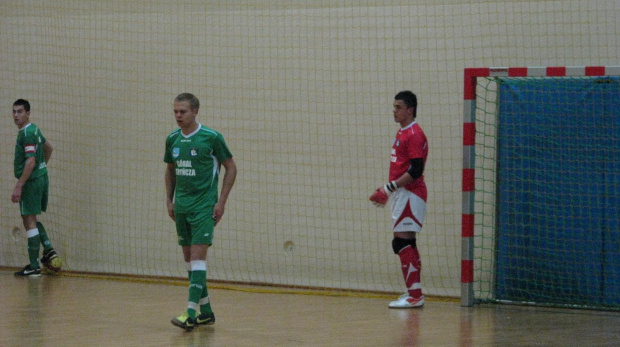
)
(470, 80)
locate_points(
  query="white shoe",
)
(405, 301)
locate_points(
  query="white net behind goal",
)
(301, 90)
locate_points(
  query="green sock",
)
(33, 249)
(205, 303)
(45, 241)
(197, 284)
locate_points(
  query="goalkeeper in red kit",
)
(407, 191)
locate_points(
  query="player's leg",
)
(198, 279)
(195, 232)
(206, 313)
(405, 248)
(197, 286)
(408, 212)
(45, 240)
(30, 207)
(33, 268)
(205, 305)
(48, 250)
(184, 239)
(202, 237)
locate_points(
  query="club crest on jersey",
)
(193, 152)
(175, 152)
(397, 143)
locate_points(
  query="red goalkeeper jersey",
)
(410, 143)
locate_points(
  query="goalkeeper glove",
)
(381, 195)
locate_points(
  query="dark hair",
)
(409, 99)
(22, 102)
(193, 100)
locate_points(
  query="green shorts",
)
(34, 196)
(195, 228)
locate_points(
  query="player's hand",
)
(17, 194)
(218, 212)
(379, 197)
(170, 207)
(382, 194)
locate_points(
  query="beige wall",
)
(302, 92)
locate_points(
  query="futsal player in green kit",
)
(32, 152)
(194, 154)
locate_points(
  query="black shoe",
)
(205, 319)
(28, 271)
(51, 254)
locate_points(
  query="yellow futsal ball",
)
(53, 266)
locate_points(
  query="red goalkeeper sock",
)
(411, 266)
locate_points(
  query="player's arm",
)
(47, 151)
(170, 180)
(381, 195)
(28, 168)
(416, 168)
(230, 175)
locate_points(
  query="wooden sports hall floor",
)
(86, 311)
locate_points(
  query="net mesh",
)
(301, 90)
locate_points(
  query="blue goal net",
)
(558, 208)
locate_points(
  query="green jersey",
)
(196, 158)
(30, 142)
